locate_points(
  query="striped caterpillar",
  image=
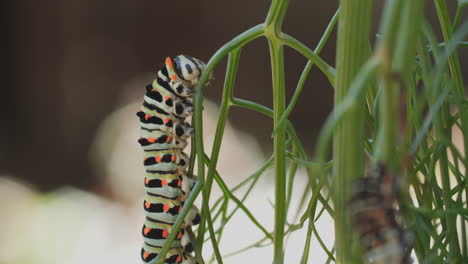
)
(163, 136)
(375, 219)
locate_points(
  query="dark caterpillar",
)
(375, 219)
(163, 136)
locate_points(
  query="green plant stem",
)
(224, 111)
(326, 69)
(231, 196)
(237, 42)
(454, 62)
(279, 148)
(455, 71)
(275, 17)
(305, 72)
(458, 16)
(386, 135)
(356, 92)
(291, 132)
(348, 154)
(273, 25)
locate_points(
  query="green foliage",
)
(409, 93)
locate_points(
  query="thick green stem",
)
(273, 25)
(279, 105)
(348, 150)
(275, 16)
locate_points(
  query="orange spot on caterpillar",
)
(145, 255)
(173, 158)
(151, 140)
(158, 159)
(147, 205)
(169, 138)
(165, 233)
(166, 120)
(147, 116)
(180, 209)
(179, 183)
(173, 77)
(145, 158)
(146, 230)
(169, 64)
(166, 98)
(147, 180)
(165, 207)
(179, 236)
(163, 182)
(153, 90)
(179, 258)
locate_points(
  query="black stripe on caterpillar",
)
(163, 136)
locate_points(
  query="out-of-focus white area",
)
(76, 227)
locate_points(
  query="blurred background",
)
(75, 76)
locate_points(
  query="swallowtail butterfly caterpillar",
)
(376, 220)
(163, 136)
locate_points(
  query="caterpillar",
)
(376, 220)
(163, 137)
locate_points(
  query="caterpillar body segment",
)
(168, 101)
(153, 120)
(158, 140)
(163, 136)
(155, 234)
(171, 185)
(165, 160)
(164, 184)
(174, 255)
(376, 220)
(162, 209)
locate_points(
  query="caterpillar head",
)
(188, 69)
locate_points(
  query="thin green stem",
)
(455, 72)
(305, 72)
(231, 196)
(458, 16)
(328, 70)
(237, 42)
(291, 132)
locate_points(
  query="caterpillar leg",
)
(188, 259)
